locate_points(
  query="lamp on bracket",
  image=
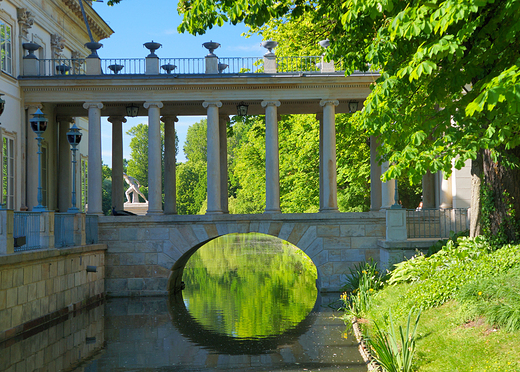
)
(132, 110)
(242, 109)
(352, 106)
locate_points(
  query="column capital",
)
(271, 103)
(169, 119)
(64, 118)
(117, 119)
(325, 102)
(149, 104)
(92, 104)
(207, 104)
(36, 105)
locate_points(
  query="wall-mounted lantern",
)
(242, 109)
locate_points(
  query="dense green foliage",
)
(249, 285)
(496, 299)
(436, 279)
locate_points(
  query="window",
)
(5, 48)
(8, 172)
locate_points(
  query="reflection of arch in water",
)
(175, 280)
(188, 326)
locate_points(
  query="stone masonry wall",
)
(39, 286)
(146, 254)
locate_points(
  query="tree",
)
(106, 196)
(449, 79)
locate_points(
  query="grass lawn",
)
(446, 343)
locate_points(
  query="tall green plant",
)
(393, 351)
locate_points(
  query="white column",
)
(272, 162)
(32, 159)
(213, 155)
(446, 196)
(387, 189)
(329, 176)
(170, 186)
(117, 162)
(319, 117)
(65, 165)
(375, 176)
(94, 195)
(428, 186)
(223, 120)
(154, 157)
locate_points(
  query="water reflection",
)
(250, 304)
(249, 286)
(60, 345)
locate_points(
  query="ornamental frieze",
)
(25, 20)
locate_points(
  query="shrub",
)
(436, 279)
(495, 299)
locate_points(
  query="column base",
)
(150, 213)
(214, 212)
(327, 210)
(272, 211)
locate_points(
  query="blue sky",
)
(136, 22)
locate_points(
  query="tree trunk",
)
(476, 183)
(504, 184)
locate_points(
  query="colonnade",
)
(382, 193)
(217, 179)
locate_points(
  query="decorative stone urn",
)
(31, 48)
(324, 43)
(152, 46)
(116, 68)
(211, 46)
(168, 68)
(269, 45)
(93, 46)
(62, 69)
(222, 67)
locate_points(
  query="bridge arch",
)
(175, 283)
(146, 253)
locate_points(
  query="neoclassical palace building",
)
(57, 28)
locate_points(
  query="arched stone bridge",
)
(146, 254)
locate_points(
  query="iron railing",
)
(298, 64)
(241, 65)
(436, 223)
(91, 229)
(123, 66)
(63, 230)
(177, 66)
(62, 66)
(27, 230)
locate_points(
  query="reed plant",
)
(395, 351)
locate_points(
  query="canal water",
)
(250, 303)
